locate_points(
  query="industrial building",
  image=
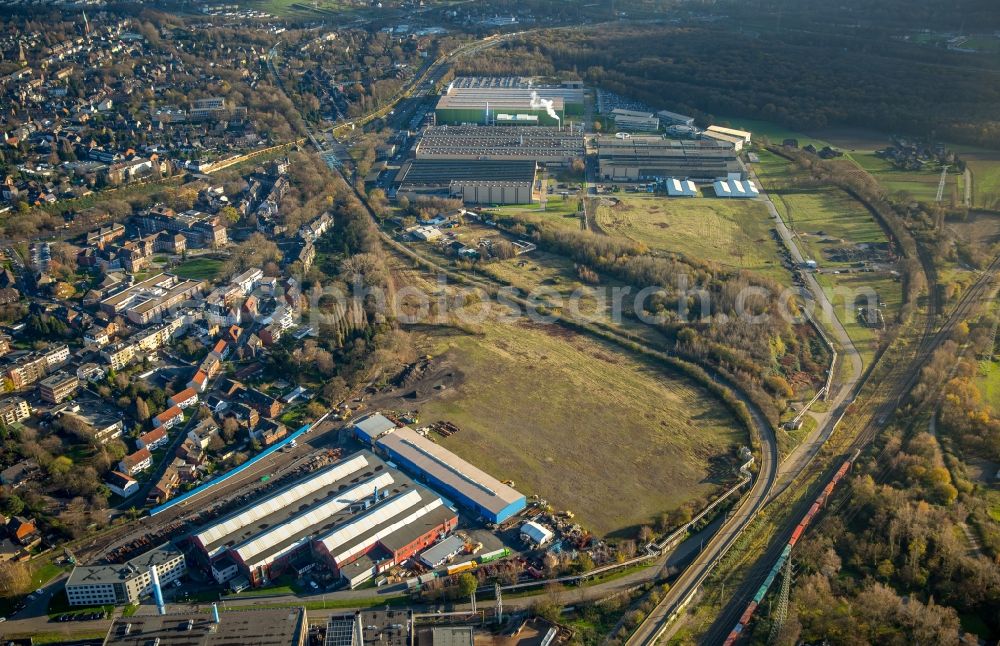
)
(635, 121)
(732, 132)
(507, 100)
(357, 513)
(370, 628)
(536, 534)
(472, 181)
(260, 627)
(449, 474)
(652, 158)
(388, 531)
(734, 187)
(371, 427)
(674, 119)
(736, 138)
(551, 146)
(443, 552)
(127, 583)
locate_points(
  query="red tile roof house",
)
(138, 461)
(168, 418)
(199, 381)
(22, 530)
(153, 439)
(185, 398)
(221, 349)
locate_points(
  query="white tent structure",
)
(744, 188)
(681, 188)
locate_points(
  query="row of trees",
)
(729, 320)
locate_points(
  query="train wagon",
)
(737, 630)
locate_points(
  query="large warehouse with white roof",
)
(358, 512)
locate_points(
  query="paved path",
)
(844, 393)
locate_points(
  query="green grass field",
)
(845, 290)
(615, 440)
(985, 182)
(199, 269)
(774, 132)
(734, 233)
(988, 383)
(559, 211)
(921, 185)
(825, 219)
(301, 8)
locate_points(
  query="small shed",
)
(371, 428)
(443, 551)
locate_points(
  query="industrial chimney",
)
(157, 592)
(215, 613)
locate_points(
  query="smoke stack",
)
(215, 613)
(157, 592)
(359, 631)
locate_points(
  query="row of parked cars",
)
(81, 616)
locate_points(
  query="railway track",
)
(865, 423)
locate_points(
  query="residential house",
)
(203, 433)
(136, 462)
(153, 440)
(263, 403)
(19, 473)
(184, 399)
(90, 372)
(121, 484)
(58, 387)
(14, 410)
(269, 432)
(164, 488)
(23, 531)
(199, 381)
(169, 418)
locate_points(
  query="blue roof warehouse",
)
(452, 476)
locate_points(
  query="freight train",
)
(786, 553)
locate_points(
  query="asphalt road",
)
(846, 391)
(775, 478)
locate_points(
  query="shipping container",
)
(461, 567)
(495, 555)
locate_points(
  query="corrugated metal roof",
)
(342, 543)
(451, 470)
(374, 425)
(536, 532)
(266, 542)
(210, 537)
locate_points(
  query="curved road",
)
(802, 455)
(689, 581)
(765, 489)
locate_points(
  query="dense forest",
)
(802, 79)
